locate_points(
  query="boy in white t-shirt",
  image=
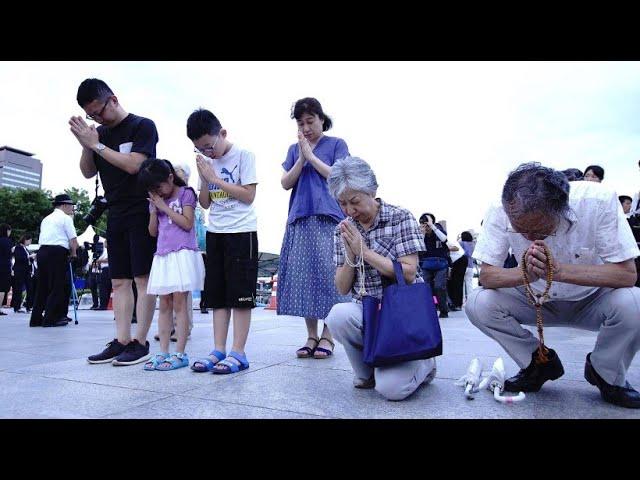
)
(227, 186)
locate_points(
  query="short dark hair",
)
(573, 174)
(4, 230)
(202, 122)
(624, 198)
(423, 218)
(532, 187)
(466, 236)
(597, 170)
(92, 89)
(154, 171)
(25, 237)
(311, 106)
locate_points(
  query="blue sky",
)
(441, 136)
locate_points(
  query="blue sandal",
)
(206, 364)
(231, 367)
(175, 361)
(156, 360)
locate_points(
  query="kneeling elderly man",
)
(591, 254)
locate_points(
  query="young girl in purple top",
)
(177, 265)
(305, 275)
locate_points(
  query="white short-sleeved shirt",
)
(600, 233)
(228, 214)
(57, 229)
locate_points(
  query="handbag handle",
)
(399, 275)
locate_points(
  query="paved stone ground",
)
(44, 374)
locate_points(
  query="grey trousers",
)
(614, 312)
(395, 382)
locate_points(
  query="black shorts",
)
(130, 247)
(232, 270)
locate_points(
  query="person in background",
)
(104, 280)
(468, 245)
(435, 260)
(594, 173)
(21, 272)
(634, 224)
(625, 201)
(58, 241)
(5, 261)
(455, 284)
(573, 174)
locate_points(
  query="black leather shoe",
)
(530, 379)
(622, 396)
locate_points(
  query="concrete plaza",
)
(44, 374)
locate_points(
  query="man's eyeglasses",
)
(206, 149)
(99, 114)
(534, 235)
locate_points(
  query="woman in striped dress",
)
(306, 274)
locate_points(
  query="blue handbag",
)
(434, 264)
(403, 326)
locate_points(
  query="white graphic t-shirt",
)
(228, 214)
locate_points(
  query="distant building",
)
(19, 169)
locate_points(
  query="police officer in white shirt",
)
(592, 252)
(57, 240)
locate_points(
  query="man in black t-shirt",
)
(115, 150)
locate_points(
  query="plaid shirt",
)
(395, 233)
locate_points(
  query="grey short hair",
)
(185, 168)
(352, 173)
(532, 187)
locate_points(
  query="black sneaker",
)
(133, 353)
(114, 348)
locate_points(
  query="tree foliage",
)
(24, 209)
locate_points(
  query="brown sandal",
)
(307, 352)
(327, 353)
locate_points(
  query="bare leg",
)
(144, 309)
(122, 308)
(312, 332)
(241, 324)
(165, 321)
(182, 319)
(324, 343)
(221, 318)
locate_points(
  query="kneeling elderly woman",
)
(379, 233)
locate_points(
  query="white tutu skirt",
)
(181, 271)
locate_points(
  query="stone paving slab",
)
(30, 396)
(44, 374)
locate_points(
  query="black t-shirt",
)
(435, 248)
(132, 134)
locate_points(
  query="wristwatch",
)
(100, 147)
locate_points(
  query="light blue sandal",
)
(175, 361)
(206, 364)
(156, 360)
(226, 366)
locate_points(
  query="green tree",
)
(83, 205)
(24, 209)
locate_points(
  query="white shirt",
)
(455, 256)
(228, 214)
(57, 229)
(600, 233)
